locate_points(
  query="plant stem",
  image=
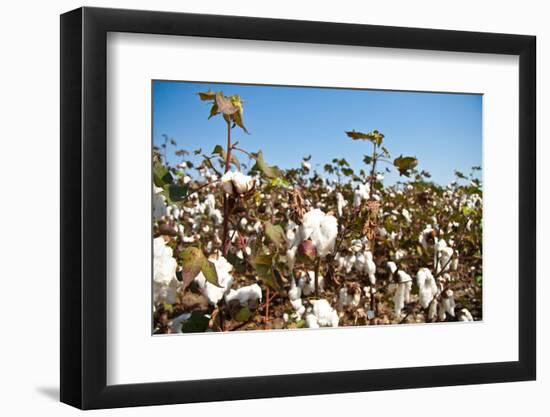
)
(266, 306)
(316, 277)
(373, 241)
(228, 156)
(225, 244)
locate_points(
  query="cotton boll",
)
(356, 245)
(245, 294)
(350, 262)
(307, 283)
(325, 314)
(210, 202)
(225, 279)
(399, 299)
(402, 276)
(349, 297)
(306, 165)
(321, 229)
(164, 273)
(465, 315)
(400, 254)
(341, 262)
(445, 255)
(360, 262)
(447, 305)
(166, 293)
(406, 215)
(237, 183)
(370, 267)
(159, 203)
(425, 235)
(432, 310)
(362, 192)
(311, 321)
(340, 203)
(427, 286)
(392, 267)
(291, 257)
(343, 297)
(295, 292)
(402, 292)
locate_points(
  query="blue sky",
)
(444, 131)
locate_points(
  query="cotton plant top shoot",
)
(247, 245)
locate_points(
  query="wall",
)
(29, 98)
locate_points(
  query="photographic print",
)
(288, 207)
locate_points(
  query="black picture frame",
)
(84, 207)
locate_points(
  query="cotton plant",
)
(257, 246)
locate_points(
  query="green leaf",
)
(375, 136)
(264, 168)
(243, 314)
(367, 159)
(275, 233)
(239, 264)
(192, 260)
(220, 151)
(161, 175)
(347, 171)
(208, 96)
(197, 323)
(263, 267)
(209, 271)
(278, 182)
(405, 164)
(213, 111)
(238, 119)
(262, 259)
(358, 135)
(178, 192)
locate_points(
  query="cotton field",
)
(240, 244)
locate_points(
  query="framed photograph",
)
(259, 208)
